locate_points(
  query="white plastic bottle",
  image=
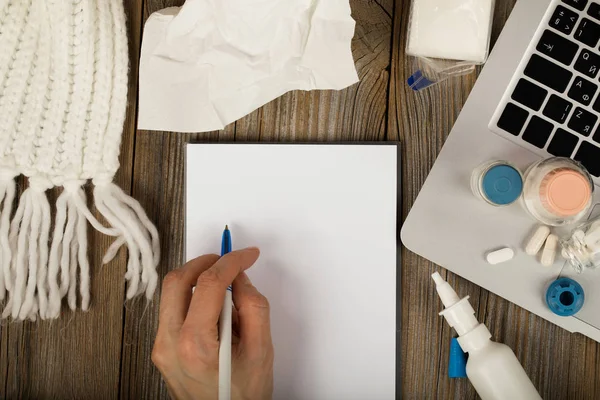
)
(492, 367)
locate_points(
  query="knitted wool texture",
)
(63, 97)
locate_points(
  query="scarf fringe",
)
(137, 231)
(7, 190)
(37, 276)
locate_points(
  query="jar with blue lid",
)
(498, 183)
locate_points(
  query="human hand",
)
(186, 350)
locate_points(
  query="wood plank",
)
(78, 355)
(561, 365)
(158, 185)
(358, 113)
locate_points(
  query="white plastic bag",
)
(447, 38)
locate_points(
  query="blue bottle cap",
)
(457, 364)
(565, 297)
(502, 184)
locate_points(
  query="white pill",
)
(549, 252)
(537, 240)
(500, 256)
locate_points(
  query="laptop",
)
(537, 96)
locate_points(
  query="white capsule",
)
(500, 256)
(537, 240)
(549, 253)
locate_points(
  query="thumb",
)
(254, 318)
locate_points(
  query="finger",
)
(254, 317)
(177, 293)
(207, 300)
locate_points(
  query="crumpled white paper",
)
(211, 62)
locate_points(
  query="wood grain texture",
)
(358, 113)
(106, 353)
(79, 355)
(561, 365)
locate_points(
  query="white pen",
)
(225, 331)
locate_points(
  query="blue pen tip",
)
(226, 241)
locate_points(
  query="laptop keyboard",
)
(553, 104)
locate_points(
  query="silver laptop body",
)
(546, 46)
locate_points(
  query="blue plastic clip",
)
(457, 365)
(565, 297)
(418, 82)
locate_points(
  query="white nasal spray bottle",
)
(492, 367)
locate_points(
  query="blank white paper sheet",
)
(324, 217)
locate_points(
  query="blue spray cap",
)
(502, 184)
(565, 297)
(418, 82)
(457, 364)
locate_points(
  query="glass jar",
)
(497, 182)
(558, 191)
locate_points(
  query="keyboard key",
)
(563, 20)
(596, 105)
(582, 121)
(557, 109)
(529, 94)
(596, 136)
(557, 47)
(562, 144)
(548, 73)
(582, 90)
(512, 119)
(588, 32)
(537, 132)
(578, 4)
(588, 63)
(594, 11)
(589, 156)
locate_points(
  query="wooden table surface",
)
(105, 353)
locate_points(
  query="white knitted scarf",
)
(63, 97)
